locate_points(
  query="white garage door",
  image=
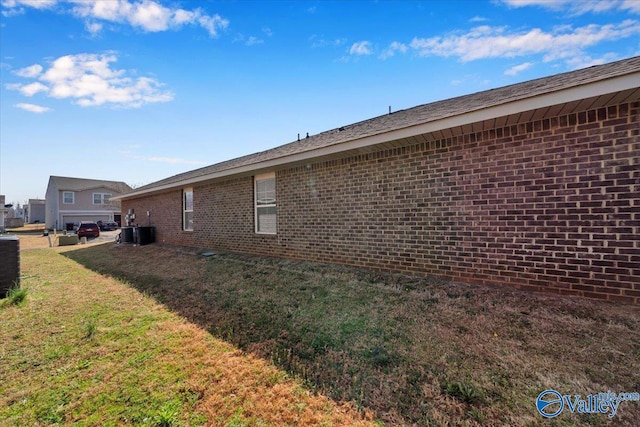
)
(75, 219)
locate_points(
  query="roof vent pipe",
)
(389, 109)
(307, 134)
(298, 137)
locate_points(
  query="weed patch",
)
(16, 295)
(90, 326)
(463, 391)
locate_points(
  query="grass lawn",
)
(412, 351)
(85, 349)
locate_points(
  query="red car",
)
(88, 229)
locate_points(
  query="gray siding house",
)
(71, 200)
(36, 209)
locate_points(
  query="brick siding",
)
(551, 205)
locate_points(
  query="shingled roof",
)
(82, 184)
(591, 83)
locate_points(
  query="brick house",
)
(534, 186)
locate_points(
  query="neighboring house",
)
(71, 200)
(19, 212)
(36, 211)
(533, 186)
(13, 216)
(3, 213)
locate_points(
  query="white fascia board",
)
(589, 90)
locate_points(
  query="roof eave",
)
(576, 93)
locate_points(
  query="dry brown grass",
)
(39, 241)
(31, 241)
(401, 347)
(86, 348)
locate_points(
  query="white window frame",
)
(73, 197)
(186, 210)
(263, 205)
(104, 198)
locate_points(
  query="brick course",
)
(551, 205)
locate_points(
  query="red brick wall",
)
(552, 205)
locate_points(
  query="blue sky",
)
(138, 91)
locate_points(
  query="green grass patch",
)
(57, 369)
(16, 295)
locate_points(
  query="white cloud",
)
(151, 16)
(253, 40)
(498, 42)
(32, 108)
(32, 71)
(554, 5)
(518, 68)
(478, 19)
(587, 61)
(320, 41)
(89, 80)
(212, 24)
(36, 4)
(7, 13)
(182, 17)
(32, 88)
(580, 7)
(148, 15)
(631, 5)
(360, 48)
(392, 49)
(93, 27)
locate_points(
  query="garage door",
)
(75, 219)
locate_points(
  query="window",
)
(187, 209)
(101, 198)
(67, 197)
(265, 197)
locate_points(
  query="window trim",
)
(256, 179)
(185, 191)
(102, 198)
(73, 197)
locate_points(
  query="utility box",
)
(69, 239)
(9, 264)
(145, 235)
(126, 235)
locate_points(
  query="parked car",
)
(107, 225)
(88, 229)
